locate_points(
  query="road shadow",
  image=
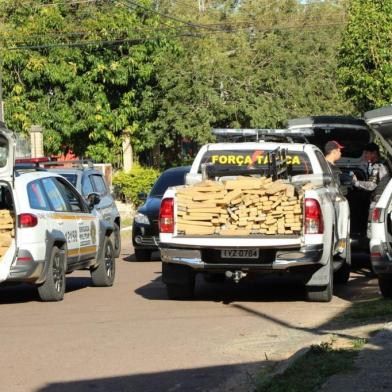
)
(181, 380)
(22, 293)
(259, 289)
(371, 374)
(271, 288)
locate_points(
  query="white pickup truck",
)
(318, 255)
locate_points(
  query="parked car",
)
(381, 218)
(87, 180)
(353, 133)
(48, 229)
(145, 231)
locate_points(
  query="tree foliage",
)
(85, 96)
(365, 59)
(170, 72)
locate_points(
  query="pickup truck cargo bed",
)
(245, 206)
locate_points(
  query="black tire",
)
(322, 293)
(342, 275)
(385, 285)
(181, 291)
(116, 239)
(143, 254)
(214, 277)
(53, 288)
(103, 275)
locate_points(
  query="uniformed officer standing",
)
(376, 170)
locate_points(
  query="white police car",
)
(55, 231)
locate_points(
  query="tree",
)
(256, 67)
(365, 58)
(80, 71)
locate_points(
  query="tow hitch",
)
(236, 275)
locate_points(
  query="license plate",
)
(240, 253)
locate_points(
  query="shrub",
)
(139, 179)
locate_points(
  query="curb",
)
(282, 365)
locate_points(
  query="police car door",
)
(65, 221)
(84, 224)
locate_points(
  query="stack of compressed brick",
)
(242, 206)
(7, 231)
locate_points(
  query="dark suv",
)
(88, 180)
(145, 231)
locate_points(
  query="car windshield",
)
(298, 161)
(72, 178)
(166, 180)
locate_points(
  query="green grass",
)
(313, 369)
(375, 310)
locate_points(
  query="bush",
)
(139, 179)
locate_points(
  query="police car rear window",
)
(298, 161)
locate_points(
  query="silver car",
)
(88, 180)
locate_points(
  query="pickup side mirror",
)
(142, 196)
(93, 199)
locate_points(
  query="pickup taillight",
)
(313, 217)
(166, 216)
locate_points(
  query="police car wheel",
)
(53, 288)
(104, 274)
(116, 239)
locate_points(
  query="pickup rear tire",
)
(179, 280)
(143, 254)
(180, 291)
(214, 277)
(103, 275)
(322, 293)
(342, 275)
(53, 288)
(385, 285)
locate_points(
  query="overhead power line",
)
(140, 40)
(167, 16)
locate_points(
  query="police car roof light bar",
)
(74, 163)
(260, 132)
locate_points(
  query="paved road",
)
(132, 338)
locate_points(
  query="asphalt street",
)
(130, 337)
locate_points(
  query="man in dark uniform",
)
(376, 170)
(377, 178)
(333, 152)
